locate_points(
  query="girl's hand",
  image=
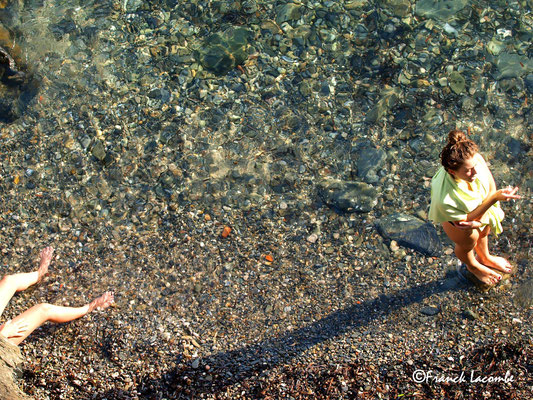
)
(467, 224)
(507, 194)
(14, 329)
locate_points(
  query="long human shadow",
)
(230, 367)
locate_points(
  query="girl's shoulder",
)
(478, 157)
(481, 162)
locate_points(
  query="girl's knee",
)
(471, 241)
(43, 308)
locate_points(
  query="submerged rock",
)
(348, 196)
(224, 51)
(389, 99)
(369, 160)
(288, 12)
(400, 8)
(512, 66)
(17, 88)
(457, 82)
(8, 69)
(410, 232)
(439, 9)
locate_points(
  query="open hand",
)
(467, 224)
(14, 329)
(507, 193)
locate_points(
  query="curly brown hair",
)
(458, 149)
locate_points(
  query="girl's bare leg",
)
(18, 282)
(465, 242)
(482, 250)
(41, 313)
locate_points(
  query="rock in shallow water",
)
(348, 196)
(439, 9)
(224, 51)
(512, 66)
(410, 232)
(369, 160)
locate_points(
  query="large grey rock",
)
(348, 196)
(10, 361)
(410, 232)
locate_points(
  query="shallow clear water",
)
(256, 103)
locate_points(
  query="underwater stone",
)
(388, 100)
(288, 12)
(348, 196)
(495, 46)
(400, 8)
(369, 160)
(439, 9)
(456, 82)
(98, 150)
(224, 51)
(512, 66)
(132, 5)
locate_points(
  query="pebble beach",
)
(229, 170)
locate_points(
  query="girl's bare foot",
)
(102, 302)
(484, 274)
(499, 263)
(46, 258)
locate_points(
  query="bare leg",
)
(41, 313)
(465, 242)
(482, 250)
(18, 282)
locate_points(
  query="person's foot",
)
(499, 263)
(484, 274)
(102, 302)
(46, 258)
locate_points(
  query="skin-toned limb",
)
(10, 284)
(485, 258)
(41, 313)
(505, 194)
(467, 225)
(13, 329)
(46, 258)
(465, 242)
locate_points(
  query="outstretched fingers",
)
(13, 329)
(509, 193)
